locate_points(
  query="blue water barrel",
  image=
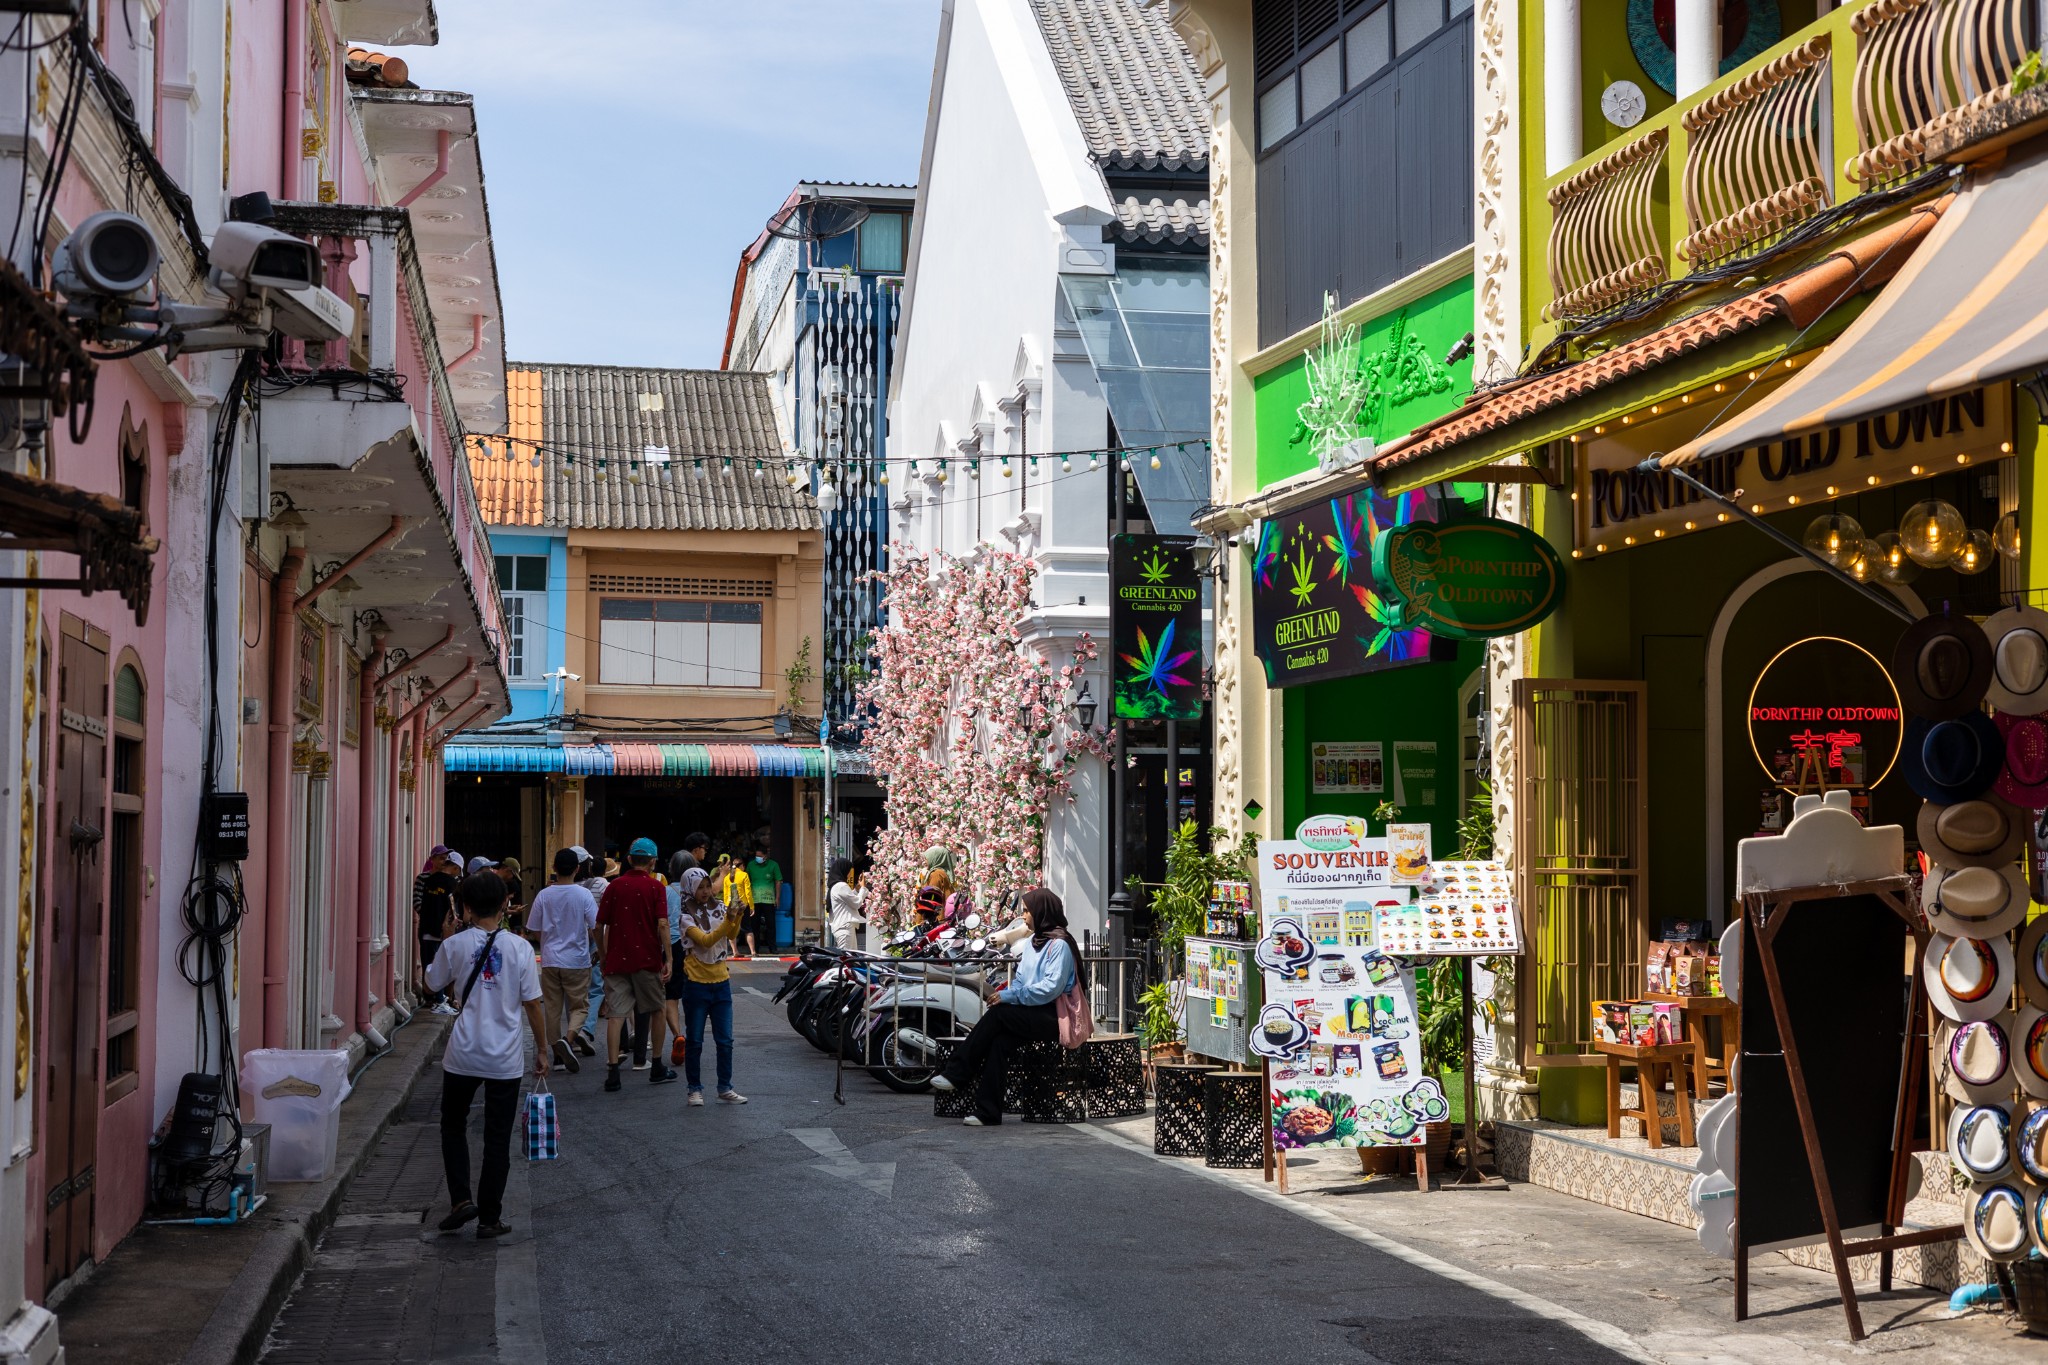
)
(785, 917)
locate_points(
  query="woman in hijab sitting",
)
(1022, 1012)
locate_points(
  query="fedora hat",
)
(1986, 832)
(1996, 1221)
(2030, 1144)
(1974, 902)
(1942, 665)
(1954, 759)
(2024, 778)
(2030, 1051)
(2030, 963)
(1980, 1140)
(2019, 660)
(1975, 1060)
(1968, 978)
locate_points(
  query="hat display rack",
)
(1977, 756)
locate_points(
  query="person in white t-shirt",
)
(560, 923)
(492, 973)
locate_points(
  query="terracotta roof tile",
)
(1854, 267)
(507, 479)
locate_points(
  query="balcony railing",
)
(1755, 156)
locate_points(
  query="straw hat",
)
(2024, 778)
(2030, 962)
(1986, 832)
(1953, 759)
(1974, 902)
(1975, 1060)
(2030, 1051)
(1980, 1140)
(2030, 1144)
(1942, 665)
(1996, 1221)
(1968, 978)
(2019, 660)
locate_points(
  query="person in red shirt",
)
(632, 939)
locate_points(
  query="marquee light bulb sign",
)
(1825, 711)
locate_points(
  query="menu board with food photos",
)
(1463, 908)
(1342, 1039)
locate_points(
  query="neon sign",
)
(1826, 704)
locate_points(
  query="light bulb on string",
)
(974, 470)
(1066, 465)
(1155, 459)
(1094, 459)
(942, 471)
(828, 497)
(1124, 463)
(1836, 538)
(760, 469)
(884, 479)
(1006, 466)
(1931, 532)
(728, 466)
(700, 469)
(2005, 536)
(1973, 554)
(1889, 560)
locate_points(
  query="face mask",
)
(760, 857)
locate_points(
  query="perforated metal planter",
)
(1116, 1076)
(1233, 1120)
(1177, 1125)
(959, 1102)
(1046, 1084)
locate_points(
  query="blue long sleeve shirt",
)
(1042, 976)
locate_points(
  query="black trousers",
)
(501, 1106)
(1000, 1028)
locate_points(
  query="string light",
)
(760, 468)
(700, 468)
(1006, 466)
(1155, 459)
(799, 469)
(1066, 465)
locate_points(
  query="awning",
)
(641, 759)
(1964, 312)
(105, 533)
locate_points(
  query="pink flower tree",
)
(969, 728)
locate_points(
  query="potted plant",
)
(798, 676)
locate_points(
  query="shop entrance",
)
(732, 810)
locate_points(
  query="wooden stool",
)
(1116, 1076)
(1698, 1009)
(1652, 1064)
(1178, 1128)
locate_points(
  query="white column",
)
(1564, 135)
(1697, 42)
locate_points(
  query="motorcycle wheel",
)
(832, 1021)
(896, 1067)
(807, 1021)
(795, 1009)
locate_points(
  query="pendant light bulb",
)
(1932, 531)
(1973, 554)
(1836, 538)
(2005, 536)
(1889, 560)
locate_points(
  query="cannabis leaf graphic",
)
(1394, 636)
(1349, 540)
(1302, 569)
(1154, 569)
(1154, 663)
(1268, 556)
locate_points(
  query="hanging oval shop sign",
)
(1824, 714)
(1469, 580)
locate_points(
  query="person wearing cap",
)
(435, 915)
(632, 927)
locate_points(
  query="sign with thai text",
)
(1155, 626)
(1469, 580)
(1617, 503)
(1824, 714)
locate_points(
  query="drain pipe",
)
(393, 674)
(476, 344)
(290, 151)
(366, 839)
(442, 141)
(276, 867)
(424, 702)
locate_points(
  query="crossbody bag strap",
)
(476, 971)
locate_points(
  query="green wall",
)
(1419, 702)
(1426, 329)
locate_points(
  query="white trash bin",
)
(299, 1094)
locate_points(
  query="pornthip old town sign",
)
(1616, 503)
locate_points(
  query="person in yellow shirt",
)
(710, 924)
(737, 894)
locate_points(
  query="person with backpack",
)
(1025, 1011)
(434, 914)
(499, 982)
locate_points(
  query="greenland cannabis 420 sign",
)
(1155, 624)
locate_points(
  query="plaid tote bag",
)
(543, 1130)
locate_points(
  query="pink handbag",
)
(1076, 1025)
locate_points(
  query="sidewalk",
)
(1643, 1280)
(209, 1295)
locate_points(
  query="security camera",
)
(249, 256)
(110, 253)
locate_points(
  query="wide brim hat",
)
(2023, 780)
(2037, 1219)
(1975, 1060)
(1974, 902)
(1980, 1141)
(2030, 1051)
(1997, 1221)
(1952, 759)
(1986, 832)
(2030, 963)
(1942, 666)
(2030, 1145)
(2019, 660)
(1968, 978)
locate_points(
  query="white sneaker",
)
(973, 1122)
(941, 1084)
(643, 1065)
(731, 1097)
(696, 1099)
(445, 1008)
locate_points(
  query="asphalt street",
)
(794, 1228)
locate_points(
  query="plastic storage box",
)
(299, 1094)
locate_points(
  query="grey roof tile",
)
(593, 413)
(1157, 220)
(1133, 87)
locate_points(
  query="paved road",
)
(722, 1233)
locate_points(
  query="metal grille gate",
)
(1581, 842)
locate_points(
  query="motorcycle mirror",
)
(973, 921)
(977, 945)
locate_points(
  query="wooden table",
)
(1698, 1009)
(1652, 1063)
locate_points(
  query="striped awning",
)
(1966, 311)
(641, 759)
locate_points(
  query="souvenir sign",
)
(1326, 881)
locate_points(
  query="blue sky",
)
(632, 151)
